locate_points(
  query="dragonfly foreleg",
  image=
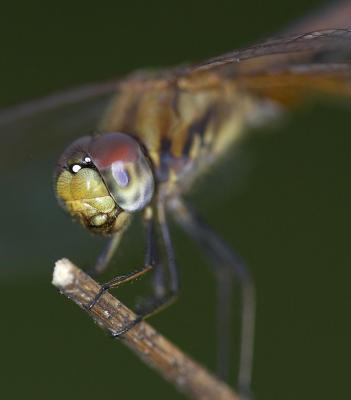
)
(227, 265)
(111, 248)
(105, 257)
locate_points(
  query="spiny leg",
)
(227, 265)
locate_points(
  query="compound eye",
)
(120, 174)
(125, 169)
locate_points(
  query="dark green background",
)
(283, 203)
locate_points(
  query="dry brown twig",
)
(157, 352)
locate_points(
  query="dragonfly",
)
(162, 130)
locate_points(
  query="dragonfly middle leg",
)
(165, 290)
(227, 265)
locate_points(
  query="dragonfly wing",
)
(294, 84)
(56, 100)
(335, 15)
(41, 128)
(31, 145)
(297, 48)
(283, 69)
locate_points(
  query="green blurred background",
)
(282, 202)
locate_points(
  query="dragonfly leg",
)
(105, 257)
(227, 265)
(163, 296)
(118, 281)
(111, 248)
(171, 265)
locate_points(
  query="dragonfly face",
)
(101, 180)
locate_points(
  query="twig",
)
(189, 377)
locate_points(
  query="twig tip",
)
(63, 275)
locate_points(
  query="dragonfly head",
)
(102, 180)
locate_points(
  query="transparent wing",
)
(281, 51)
(56, 100)
(295, 84)
(283, 69)
(336, 14)
(34, 231)
(32, 129)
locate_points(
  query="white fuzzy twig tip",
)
(63, 274)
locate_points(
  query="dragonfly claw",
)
(102, 290)
(126, 327)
